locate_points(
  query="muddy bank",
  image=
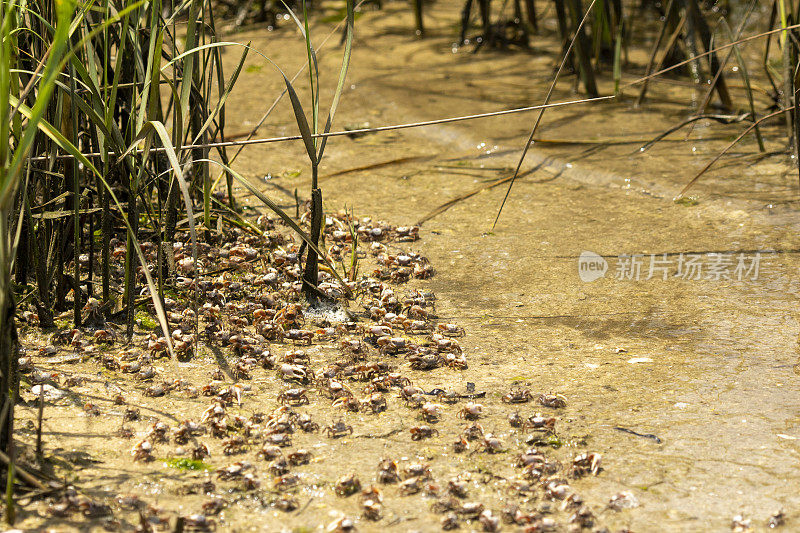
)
(685, 386)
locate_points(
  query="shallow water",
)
(708, 367)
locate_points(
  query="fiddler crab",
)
(341, 525)
(200, 452)
(348, 403)
(296, 372)
(489, 522)
(279, 466)
(518, 396)
(411, 485)
(555, 401)
(286, 503)
(418, 470)
(447, 396)
(491, 444)
(347, 485)
(143, 451)
(299, 457)
(460, 445)
(213, 506)
(557, 490)
(338, 429)
(373, 509)
(270, 452)
(293, 397)
(426, 361)
(286, 481)
(450, 522)
(586, 463)
(583, 517)
(431, 412)
(234, 471)
(299, 335)
(473, 432)
(471, 411)
(539, 422)
(374, 402)
(387, 471)
(470, 509)
(305, 423)
(233, 445)
(284, 440)
(410, 391)
(450, 330)
(422, 432)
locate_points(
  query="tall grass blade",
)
(348, 45)
(541, 113)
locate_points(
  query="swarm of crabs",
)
(367, 354)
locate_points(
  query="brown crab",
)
(518, 396)
(338, 429)
(422, 432)
(293, 397)
(347, 485)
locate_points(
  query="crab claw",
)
(293, 372)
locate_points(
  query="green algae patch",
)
(146, 321)
(548, 440)
(687, 201)
(183, 463)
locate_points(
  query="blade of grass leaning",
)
(312, 60)
(748, 89)
(297, 107)
(302, 123)
(541, 113)
(275, 103)
(725, 150)
(99, 28)
(46, 87)
(312, 57)
(348, 45)
(159, 129)
(224, 95)
(189, 63)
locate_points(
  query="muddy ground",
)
(697, 373)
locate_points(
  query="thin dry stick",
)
(714, 50)
(23, 474)
(710, 92)
(725, 119)
(350, 132)
(652, 60)
(450, 203)
(731, 145)
(541, 113)
(673, 38)
(39, 427)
